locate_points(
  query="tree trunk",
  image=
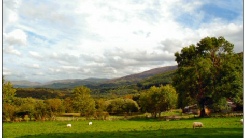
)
(203, 112)
(154, 114)
(159, 114)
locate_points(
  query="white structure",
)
(68, 125)
(197, 124)
(90, 123)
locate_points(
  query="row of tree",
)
(42, 93)
(81, 102)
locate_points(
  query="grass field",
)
(213, 128)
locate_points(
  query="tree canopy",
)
(158, 99)
(208, 72)
(82, 101)
(8, 92)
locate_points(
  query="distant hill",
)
(130, 84)
(60, 84)
(67, 81)
(94, 82)
(143, 75)
(157, 80)
(24, 84)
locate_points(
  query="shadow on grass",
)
(161, 119)
(170, 133)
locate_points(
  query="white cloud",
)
(54, 70)
(6, 71)
(70, 68)
(10, 15)
(11, 50)
(16, 37)
(82, 39)
(63, 58)
(35, 55)
(35, 66)
(231, 31)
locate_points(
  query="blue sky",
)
(55, 40)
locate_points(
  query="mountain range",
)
(71, 83)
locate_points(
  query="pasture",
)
(142, 128)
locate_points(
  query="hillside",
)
(143, 75)
(61, 84)
(94, 82)
(101, 87)
(157, 80)
(25, 84)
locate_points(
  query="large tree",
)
(208, 72)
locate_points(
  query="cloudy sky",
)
(47, 40)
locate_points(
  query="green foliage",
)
(25, 106)
(120, 91)
(232, 78)
(221, 105)
(41, 111)
(8, 92)
(68, 105)
(9, 108)
(42, 93)
(82, 101)
(207, 73)
(9, 111)
(120, 105)
(115, 106)
(157, 80)
(54, 106)
(101, 105)
(130, 106)
(158, 99)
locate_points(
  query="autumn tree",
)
(208, 72)
(68, 105)
(130, 106)
(116, 106)
(158, 99)
(9, 111)
(26, 106)
(54, 107)
(82, 101)
(9, 108)
(101, 105)
(8, 92)
(120, 105)
(41, 111)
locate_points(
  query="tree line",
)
(80, 101)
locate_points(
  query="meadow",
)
(142, 128)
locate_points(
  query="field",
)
(142, 128)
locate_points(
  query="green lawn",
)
(213, 127)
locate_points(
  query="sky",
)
(47, 40)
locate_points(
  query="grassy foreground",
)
(213, 127)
